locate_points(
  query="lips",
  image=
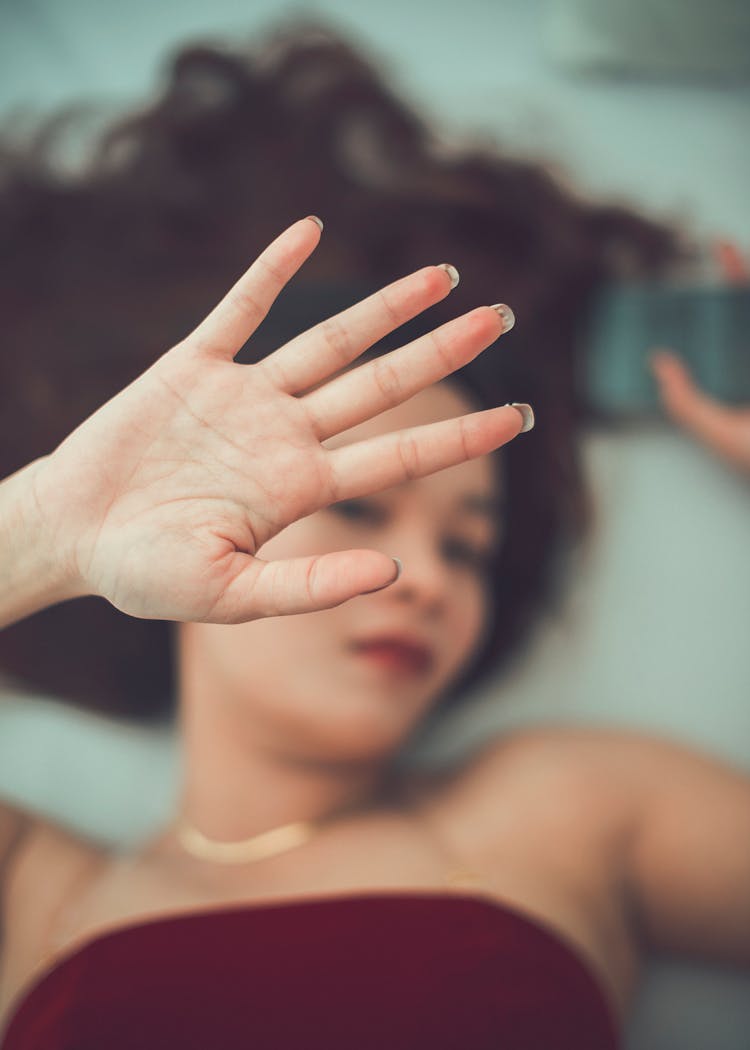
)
(396, 652)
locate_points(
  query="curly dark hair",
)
(109, 266)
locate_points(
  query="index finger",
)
(232, 321)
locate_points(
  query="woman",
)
(196, 495)
(510, 901)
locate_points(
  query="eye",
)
(467, 554)
(357, 510)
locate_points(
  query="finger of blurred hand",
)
(300, 585)
(682, 399)
(676, 387)
(731, 262)
(331, 345)
(230, 324)
(394, 378)
(722, 428)
(390, 459)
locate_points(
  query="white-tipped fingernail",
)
(509, 318)
(399, 570)
(452, 273)
(527, 414)
(315, 219)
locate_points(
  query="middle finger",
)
(386, 381)
(326, 348)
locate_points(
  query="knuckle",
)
(310, 578)
(391, 307)
(336, 340)
(387, 379)
(445, 348)
(331, 486)
(408, 453)
(464, 437)
(277, 272)
(246, 303)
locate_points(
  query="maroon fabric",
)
(380, 971)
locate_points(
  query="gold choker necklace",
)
(257, 847)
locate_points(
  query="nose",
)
(424, 581)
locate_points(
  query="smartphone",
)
(708, 326)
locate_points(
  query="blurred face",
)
(350, 683)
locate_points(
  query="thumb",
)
(680, 396)
(302, 585)
(687, 405)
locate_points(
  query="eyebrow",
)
(486, 506)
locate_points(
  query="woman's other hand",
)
(160, 500)
(724, 429)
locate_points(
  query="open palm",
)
(160, 500)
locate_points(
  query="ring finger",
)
(370, 389)
(326, 348)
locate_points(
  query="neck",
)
(240, 788)
(237, 783)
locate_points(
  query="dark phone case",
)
(707, 326)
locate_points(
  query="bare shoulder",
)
(607, 774)
(15, 824)
(41, 864)
(578, 780)
(577, 752)
(542, 754)
(618, 757)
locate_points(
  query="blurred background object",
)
(632, 103)
(707, 323)
(688, 39)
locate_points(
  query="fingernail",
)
(316, 219)
(509, 318)
(452, 273)
(399, 570)
(527, 414)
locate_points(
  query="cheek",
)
(468, 621)
(275, 665)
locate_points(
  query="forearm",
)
(31, 576)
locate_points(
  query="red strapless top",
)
(377, 971)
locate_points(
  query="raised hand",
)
(725, 429)
(160, 500)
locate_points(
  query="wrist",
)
(34, 572)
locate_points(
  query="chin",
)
(359, 736)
